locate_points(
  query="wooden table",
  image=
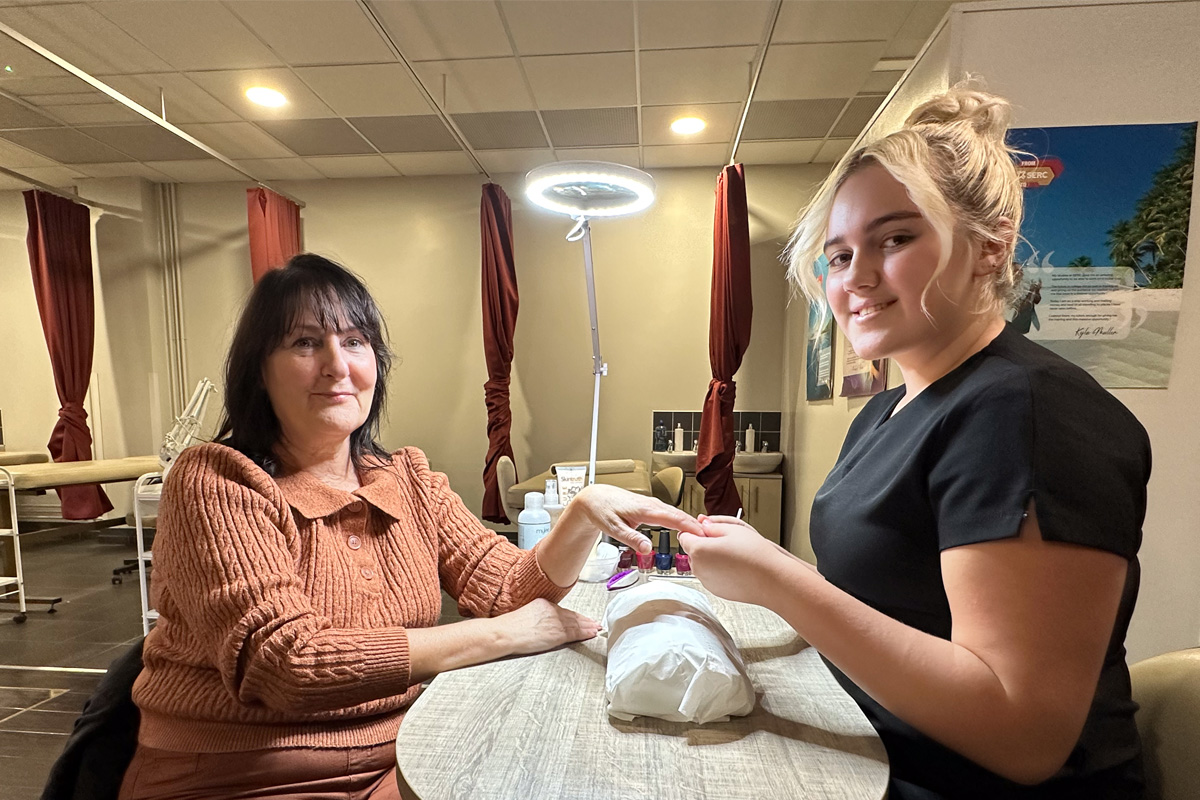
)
(536, 728)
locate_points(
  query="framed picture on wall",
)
(819, 353)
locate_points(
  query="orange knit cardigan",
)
(284, 603)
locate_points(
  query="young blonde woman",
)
(976, 540)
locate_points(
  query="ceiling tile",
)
(281, 169)
(720, 119)
(917, 29)
(481, 84)
(501, 130)
(125, 169)
(617, 155)
(83, 96)
(54, 176)
(85, 37)
(61, 83)
(791, 119)
(15, 115)
(314, 31)
(542, 27)
(15, 157)
(856, 117)
(583, 81)
(407, 134)
(238, 140)
(27, 64)
(230, 88)
(185, 101)
(457, 163)
(832, 150)
(882, 81)
(783, 152)
(366, 90)
(442, 31)
(65, 146)
(96, 114)
(823, 21)
(797, 71)
(592, 127)
(317, 137)
(353, 166)
(702, 23)
(146, 142)
(190, 34)
(197, 171)
(503, 161)
(685, 155)
(710, 75)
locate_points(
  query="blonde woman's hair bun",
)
(987, 114)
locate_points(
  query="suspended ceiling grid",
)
(525, 81)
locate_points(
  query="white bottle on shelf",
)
(750, 438)
(553, 507)
(679, 437)
(534, 522)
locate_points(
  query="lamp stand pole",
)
(583, 231)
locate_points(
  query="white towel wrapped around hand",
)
(670, 657)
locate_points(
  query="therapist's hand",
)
(541, 625)
(731, 558)
(617, 513)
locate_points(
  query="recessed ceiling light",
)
(266, 97)
(688, 125)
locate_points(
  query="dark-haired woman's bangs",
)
(333, 307)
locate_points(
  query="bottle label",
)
(530, 534)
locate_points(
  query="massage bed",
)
(33, 477)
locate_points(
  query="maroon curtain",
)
(730, 312)
(500, 303)
(274, 230)
(60, 255)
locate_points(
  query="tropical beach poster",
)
(1104, 244)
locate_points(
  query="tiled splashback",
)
(766, 427)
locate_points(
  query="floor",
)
(95, 623)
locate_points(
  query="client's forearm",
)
(455, 645)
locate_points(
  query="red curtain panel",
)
(60, 256)
(274, 230)
(500, 302)
(730, 313)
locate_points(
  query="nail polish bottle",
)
(627, 558)
(683, 563)
(662, 561)
(645, 562)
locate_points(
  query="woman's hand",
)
(601, 509)
(617, 513)
(541, 625)
(729, 558)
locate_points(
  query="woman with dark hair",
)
(299, 567)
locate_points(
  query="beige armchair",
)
(506, 477)
(1167, 687)
(667, 485)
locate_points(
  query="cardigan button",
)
(355, 507)
(354, 542)
(368, 573)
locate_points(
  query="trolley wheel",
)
(116, 581)
(20, 618)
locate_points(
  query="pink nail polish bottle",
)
(645, 562)
(683, 563)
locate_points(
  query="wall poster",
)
(862, 378)
(819, 357)
(1104, 244)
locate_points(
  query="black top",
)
(959, 465)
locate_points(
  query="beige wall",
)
(1073, 64)
(416, 242)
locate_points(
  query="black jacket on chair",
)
(93, 762)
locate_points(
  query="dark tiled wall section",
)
(766, 427)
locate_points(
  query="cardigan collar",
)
(312, 498)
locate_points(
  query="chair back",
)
(506, 478)
(667, 485)
(1167, 689)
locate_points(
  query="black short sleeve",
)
(1047, 436)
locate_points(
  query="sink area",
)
(752, 463)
